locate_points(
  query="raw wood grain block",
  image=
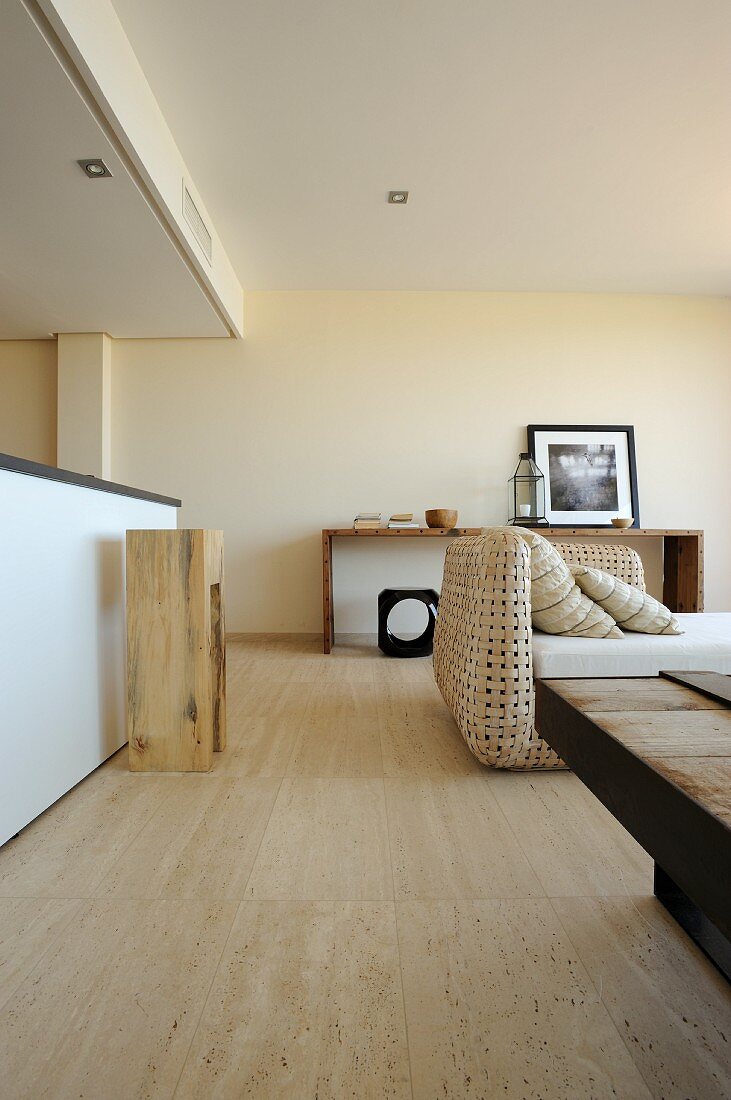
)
(176, 657)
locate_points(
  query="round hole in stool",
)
(408, 620)
(388, 642)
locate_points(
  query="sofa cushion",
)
(704, 645)
(558, 606)
(630, 608)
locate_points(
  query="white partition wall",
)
(62, 649)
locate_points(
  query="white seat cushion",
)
(705, 646)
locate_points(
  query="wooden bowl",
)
(622, 522)
(441, 517)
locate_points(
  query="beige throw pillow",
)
(631, 608)
(558, 606)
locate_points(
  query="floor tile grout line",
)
(625, 892)
(217, 967)
(205, 999)
(600, 996)
(98, 882)
(515, 837)
(299, 734)
(123, 851)
(275, 800)
(398, 940)
(45, 951)
(521, 848)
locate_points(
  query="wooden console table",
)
(682, 559)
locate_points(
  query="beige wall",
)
(85, 403)
(337, 402)
(28, 399)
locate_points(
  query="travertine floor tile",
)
(110, 1011)
(28, 928)
(326, 839)
(283, 666)
(415, 699)
(667, 1000)
(259, 698)
(306, 1004)
(425, 744)
(348, 746)
(397, 670)
(336, 669)
(331, 700)
(575, 845)
(449, 839)
(498, 1005)
(201, 844)
(68, 850)
(103, 997)
(260, 747)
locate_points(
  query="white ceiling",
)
(77, 255)
(547, 144)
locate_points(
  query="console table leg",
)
(328, 618)
(692, 920)
(683, 572)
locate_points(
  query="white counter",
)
(62, 649)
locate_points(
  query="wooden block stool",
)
(176, 653)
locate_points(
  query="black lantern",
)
(527, 495)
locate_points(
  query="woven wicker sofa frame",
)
(483, 659)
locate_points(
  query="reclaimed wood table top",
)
(657, 753)
(681, 733)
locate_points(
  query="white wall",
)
(337, 402)
(62, 670)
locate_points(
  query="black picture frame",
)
(625, 429)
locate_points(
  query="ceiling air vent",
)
(201, 232)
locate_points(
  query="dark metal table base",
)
(693, 920)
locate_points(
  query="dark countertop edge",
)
(86, 481)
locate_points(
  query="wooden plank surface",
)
(640, 694)
(328, 615)
(176, 669)
(682, 733)
(712, 685)
(708, 781)
(670, 733)
(213, 543)
(683, 571)
(559, 532)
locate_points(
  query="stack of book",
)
(367, 521)
(401, 520)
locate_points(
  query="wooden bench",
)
(657, 753)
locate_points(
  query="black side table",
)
(394, 646)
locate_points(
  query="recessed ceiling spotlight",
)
(399, 197)
(95, 169)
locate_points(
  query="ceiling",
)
(77, 255)
(547, 144)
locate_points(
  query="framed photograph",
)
(590, 472)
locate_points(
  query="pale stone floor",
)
(348, 906)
